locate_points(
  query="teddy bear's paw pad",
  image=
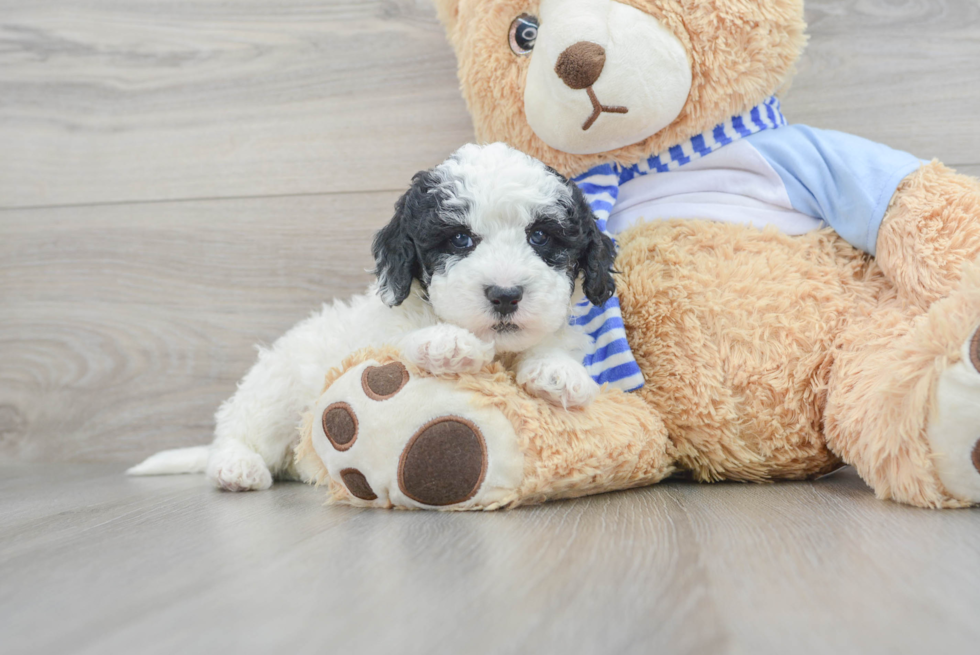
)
(954, 430)
(393, 440)
(444, 462)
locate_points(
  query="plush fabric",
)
(741, 52)
(617, 444)
(765, 356)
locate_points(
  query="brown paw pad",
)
(357, 484)
(444, 463)
(976, 456)
(383, 382)
(340, 425)
(975, 350)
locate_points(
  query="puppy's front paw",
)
(447, 349)
(562, 381)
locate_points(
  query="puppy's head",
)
(497, 241)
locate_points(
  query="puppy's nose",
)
(580, 65)
(504, 301)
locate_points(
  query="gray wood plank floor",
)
(180, 181)
(93, 562)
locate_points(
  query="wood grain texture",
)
(93, 562)
(107, 101)
(906, 74)
(124, 326)
(185, 179)
(126, 323)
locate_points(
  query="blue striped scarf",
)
(610, 359)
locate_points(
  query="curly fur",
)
(433, 299)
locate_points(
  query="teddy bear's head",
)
(576, 83)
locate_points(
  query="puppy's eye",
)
(523, 33)
(538, 238)
(461, 240)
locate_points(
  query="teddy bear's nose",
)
(580, 65)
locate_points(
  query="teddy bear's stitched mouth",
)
(598, 108)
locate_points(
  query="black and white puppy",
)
(481, 260)
(495, 241)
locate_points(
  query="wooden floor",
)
(93, 562)
(180, 181)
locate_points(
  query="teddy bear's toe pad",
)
(383, 382)
(357, 484)
(954, 431)
(391, 439)
(340, 425)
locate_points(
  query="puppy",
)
(480, 261)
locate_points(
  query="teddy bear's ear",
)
(448, 12)
(396, 260)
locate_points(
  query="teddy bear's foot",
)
(903, 405)
(388, 438)
(954, 432)
(387, 433)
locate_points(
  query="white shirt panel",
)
(732, 185)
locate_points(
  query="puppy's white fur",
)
(445, 328)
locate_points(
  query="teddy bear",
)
(789, 300)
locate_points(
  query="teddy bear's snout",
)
(581, 64)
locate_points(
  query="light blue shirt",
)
(754, 169)
(842, 179)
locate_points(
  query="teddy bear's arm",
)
(930, 230)
(842, 179)
(920, 220)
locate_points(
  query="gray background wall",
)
(182, 180)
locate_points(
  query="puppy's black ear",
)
(596, 260)
(396, 260)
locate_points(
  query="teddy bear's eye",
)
(523, 32)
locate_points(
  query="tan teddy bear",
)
(792, 298)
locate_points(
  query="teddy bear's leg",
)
(388, 434)
(931, 229)
(903, 405)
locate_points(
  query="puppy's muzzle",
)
(504, 300)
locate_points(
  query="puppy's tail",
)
(173, 462)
